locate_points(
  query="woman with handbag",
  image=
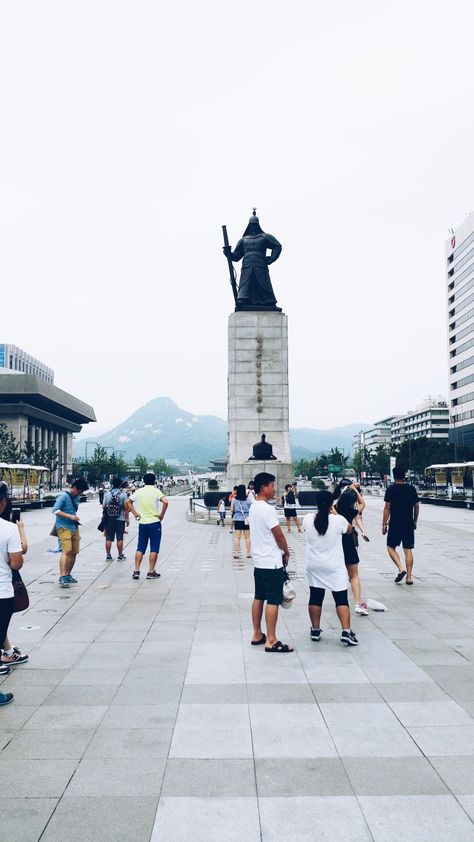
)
(11, 558)
(240, 508)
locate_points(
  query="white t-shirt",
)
(265, 550)
(9, 543)
(325, 566)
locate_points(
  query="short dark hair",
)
(149, 478)
(399, 472)
(262, 479)
(80, 483)
(116, 482)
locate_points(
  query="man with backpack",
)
(67, 522)
(115, 506)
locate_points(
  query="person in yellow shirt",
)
(149, 505)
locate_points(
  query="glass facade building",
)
(17, 361)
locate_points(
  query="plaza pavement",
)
(144, 713)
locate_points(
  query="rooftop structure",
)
(15, 361)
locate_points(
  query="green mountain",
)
(163, 429)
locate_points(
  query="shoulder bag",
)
(20, 593)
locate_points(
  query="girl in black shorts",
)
(346, 498)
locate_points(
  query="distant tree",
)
(9, 447)
(141, 463)
(50, 461)
(161, 468)
(380, 460)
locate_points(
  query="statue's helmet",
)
(253, 226)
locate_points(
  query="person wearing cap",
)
(11, 558)
(67, 520)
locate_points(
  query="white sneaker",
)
(361, 608)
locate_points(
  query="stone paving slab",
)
(144, 713)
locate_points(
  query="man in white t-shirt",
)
(11, 558)
(270, 555)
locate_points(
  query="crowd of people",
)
(331, 537)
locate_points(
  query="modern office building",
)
(37, 412)
(459, 251)
(429, 420)
(373, 437)
(15, 361)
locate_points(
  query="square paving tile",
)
(108, 819)
(291, 730)
(49, 744)
(444, 741)
(416, 818)
(131, 742)
(393, 776)
(66, 717)
(377, 734)
(207, 820)
(304, 819)
(209, 778)
(211, 731)
(302, 776)
(430, 713)
(457, 773)
(23, 819)
(116, 776)
(35, 778)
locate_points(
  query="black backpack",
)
(114, 506)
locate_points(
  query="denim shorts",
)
(149, 532)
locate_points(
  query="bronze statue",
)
(263, 450)
(255, 288)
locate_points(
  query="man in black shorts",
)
(400, 516)
(270, 557)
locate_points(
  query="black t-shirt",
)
(402, 499)
(346, 505)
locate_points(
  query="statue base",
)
(258, 396)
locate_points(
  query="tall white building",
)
(459, 250)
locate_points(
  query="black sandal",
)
(263, 639)
(279, 647)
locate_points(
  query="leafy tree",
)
(380, 460)
(50, 461)
(161, 468)
(362, 461)
(9, 447)
(142, 463)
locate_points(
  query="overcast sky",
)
(131, 131)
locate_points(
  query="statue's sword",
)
(232, 271)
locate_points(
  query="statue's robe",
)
(255, 286)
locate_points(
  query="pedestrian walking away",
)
(148, 505)
(11, 558)
(270, 556)
(67, 526)
(400, 516)
(289, 508)
(240, 508)
(221, 512)
(325, 565)
(116, 505)
(346, 499)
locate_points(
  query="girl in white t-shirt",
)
(325, 565)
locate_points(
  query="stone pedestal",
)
(258, 396)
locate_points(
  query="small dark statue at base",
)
(263, 450)
(255, 288)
